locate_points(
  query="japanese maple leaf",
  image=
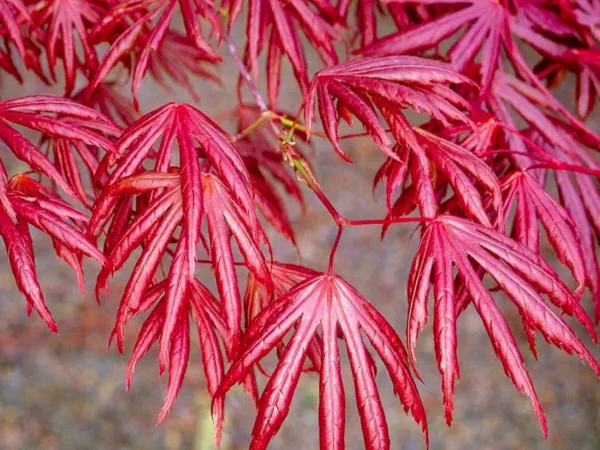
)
(59, 120)
(56, 22)
(107, 99)
(188, 127)
(487, 30)
(148, 39)
(534, 106)
(277, 24)
(581, 57)
(13, 13)
(366, 12)
(168, 54)
(534, 204)
(393, 83)
(226, 201)
(328, 302)
(579, 196)
(153, 228)
(176, 58)
(200, 306)
(8, 66)
(66, 156)
(450, 243)
(422, 154)
(25, 202)
(31, 60)
(403, 15)
(70, 155)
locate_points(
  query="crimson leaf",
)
(331, 303)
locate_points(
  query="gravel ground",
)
(67, 391)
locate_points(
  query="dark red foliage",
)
(172, 190)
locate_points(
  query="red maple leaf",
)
(24, 202)
(276, 24)
(331, 303)
(67, 124)
(392, 83)
(487, 28)
(55, 23)
(521, 273)
(186, 205)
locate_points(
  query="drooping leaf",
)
(71, 126)
(277, 24)
(391, 82)
(521, 273)
(25, 202)
(331, 303)
(57, 22)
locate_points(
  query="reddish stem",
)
(328, 206)
(334, 248)
(209, 261)
(260, 101)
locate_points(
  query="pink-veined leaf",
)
(61, 121)
(25, 202)
(57, 22)
(393, 82)
(331, 303)
(451, 241)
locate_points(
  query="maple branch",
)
(308, 177)
(260, 101)
(252, 127)
(273, 116)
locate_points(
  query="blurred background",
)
(67, 391)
